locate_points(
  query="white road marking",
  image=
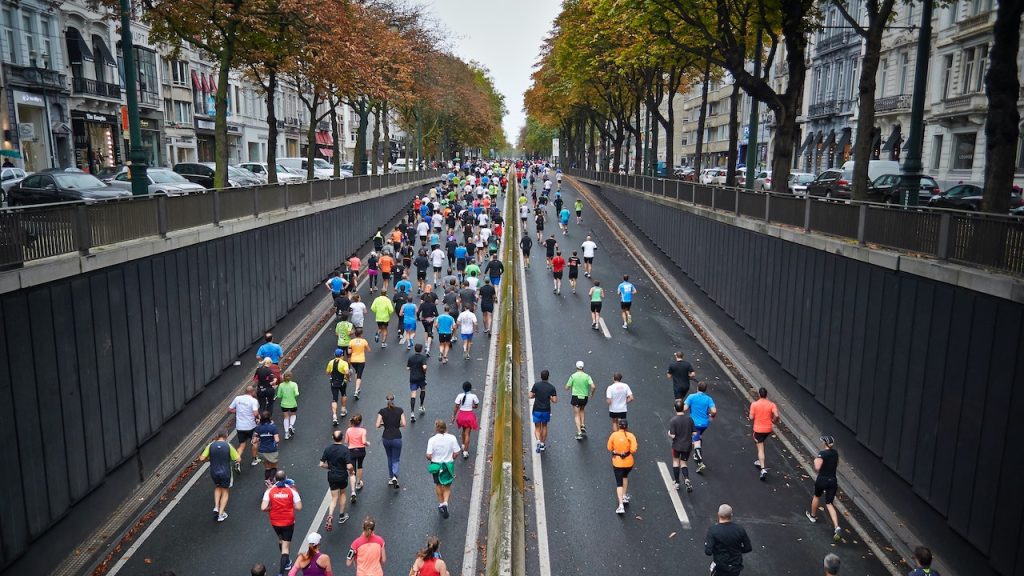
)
(315, 526)
(604, 327)
(673, 495)
(543, 552)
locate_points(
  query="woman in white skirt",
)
(464, 415)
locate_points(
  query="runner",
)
(726, 543)
(580, 386)
(427, 314)
(461, 259)
(387, 265)
(923, 561)
(358, 312)
(337, 460)
(557, 269)
(589, 248)
(626, 292)
(266, 385)
(622, 444)
(441, 450)
(543, 394)
(428, 561)
(355, 439)
(312, 562)
(382, 309)
(563, 216)
(288, 394)
(408, 316)
(494, 269)
(336, 284)
(281, 501)
(367, 551)
(445, 328)
(596, 296)
(826, 484)
(438, 258)
(417, 367)
(467, 327)
(681, 431)
(550, 247)
(574, 270)
(423, 265)
(391, 419)
(223, 458)
(357, 350)
(464, 415)
(343, 329)
(267, 439)
(246, 409)
(526, 244)
(487, 295)
(702, 410)
(618, 395)
(763, 413)
(680, 372)
(578, 206)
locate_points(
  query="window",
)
(936, 151)
(48, 59)
(963, 151)
(149, 90)
(979, 84)
(949, 17)
(910, 14)
(854, 80)
(947, 76)
(183, 112)
(10, 44)
(168, 109)
(1020, 152)
(828, 82)
(199, 100)
(885, 77)
(980, 7)
(30, 39)
(975, 61)
(840, 81)
(179, 72)
(904, 71)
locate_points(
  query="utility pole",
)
(913, 165)
(140, 182)
(752, 129)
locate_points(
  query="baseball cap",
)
(313, 539)
(338, 352)
(827, 440)
(579, 365)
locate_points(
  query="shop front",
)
(205, 140)
(97, 140)
(149, 125)
(39, 136)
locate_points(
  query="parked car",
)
(202, 173)
(285, 175)
(322, 169)
(62, 185)
(887, 188)
(161, 181)
(832, 183)
(968, 197)
(763, 180)
(107, 173)
(685, 173)
(11, 176)
(741, 178)
(707, 175)
(798, 182)
(876, 168)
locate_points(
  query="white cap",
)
(313, 539)
(579, 365)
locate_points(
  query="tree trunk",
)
(785, 104)
(376, 139)
(311, 142)
(272, 133)
(220, 120)
(734, 135)
(1002, 126)
(335, 156)
(591, 153)
(617, 146)
(638, 149)
(386, 139)
(865, 111)
(362, 108)
(702, 119)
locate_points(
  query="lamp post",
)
(913, 165)
(140, 182)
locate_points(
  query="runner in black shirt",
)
(422, 266)
(549, 249)
(726, 543)
(427, 313)
(487, 294)
(826, 484)
(680, 372)
(339, 468)
(526, 244)
(494, 269)
(680, 430)
(543, 394)
(417, 367)
(574, 270)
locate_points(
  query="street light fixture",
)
(139, 179)
(913, 165)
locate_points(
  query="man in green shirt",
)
(580, 386)
(344, 330)
(382, 309)
(288, 395)
(473, 269)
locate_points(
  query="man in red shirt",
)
(763, 413)
(557, 267)
(281, 501)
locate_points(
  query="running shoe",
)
(359, 486)
(539, 447)
(334, 422)
(623, 325)
(224, 516)
(395, 478)
(356, 395)
(543, 447)
(583, 429)
(809, 517)
(764, 474)
(344, 412)
(255, 461)
(465, 454)
(376, 337)
(444, 511)
(620, 510)
(837, 535)
(392, 481)
(625, 498)
(354, 497)
(343, 517)
(383, 344)
(413, 416)
(238, 466)
(292, 431)
(675, 485)
(422, 410)
(701, 467)
(689, 486)
(216, 513)
(579, 436)
(757, 463)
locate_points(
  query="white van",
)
(876, 168)
(322, 169)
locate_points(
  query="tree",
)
(1002, 125)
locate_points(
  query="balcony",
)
(829, 108)
(961, 110)
(95, 88)
(833, 42)
(149, 99)
(36, 77)
(891, 104)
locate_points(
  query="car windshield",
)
(78, 181)
(321, 164)
(804, 178)
(108, 172)
(165, 177)
(286, 170)
(238, 172)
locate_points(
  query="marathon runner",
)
(281, 501)
(623, 445)
(543, 394)
(357, 350)
(589, 248)
(338, 463)
(702, 410)
(222, 457)
(580, 386)
(596, 296)
(526, 244)
(578, 206)
(574, 270)
(680, 372)
(763, 413)
(557, 268)
(464, 415)
(626, 292)
(337, 369)
(826, 484)
(681, 431)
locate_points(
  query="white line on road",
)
(320, 512)
(673, 495)
(604, 327)
(543, 552)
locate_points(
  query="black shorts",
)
(540, 227)
(621, 474)
(557, 275)
(616, 415)
(760, 437)
(437, 269)
(460, 264)
(487, 307)
(385, 275)
(826, 486)
(684, 455)
(382, 325)
(421, 274)
(679, 392)
(358, 367)
(338, 391)
(356, 456)
(285, 533)
(526, 252)
(244, 436)
(588, 260)
(579, 213)
(444, 338)
(625, 305)
(292, 410)
(578, 402)
(337, 482)
(574, 273)
(222, 481)
(595, 306)
(428, 327)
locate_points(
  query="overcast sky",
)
(503, 35)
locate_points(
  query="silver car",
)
(161, 181)
(285, 175)
(798, 182)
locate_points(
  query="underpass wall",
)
(928, 375)
(93, 365)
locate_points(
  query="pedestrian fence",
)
(988, 240)
(42, 231)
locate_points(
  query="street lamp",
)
(913, 165)
(140, 182)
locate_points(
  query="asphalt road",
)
(584, 535)
(188, 540)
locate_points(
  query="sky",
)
(496, 33)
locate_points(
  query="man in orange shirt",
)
(763, 413)
(386, 264)
(622, 444)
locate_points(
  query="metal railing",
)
(81, 85)
(987, 240)
(43, 231)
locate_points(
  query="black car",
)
(202, 173)
(832, 183)
(62, 185)
(887, 188)
(968, 197)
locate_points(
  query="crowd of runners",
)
(432, 283)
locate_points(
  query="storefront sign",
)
(235, 129)
(205, 125)
(24, 98)
(92, 117)
(27, 131)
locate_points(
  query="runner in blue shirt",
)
(461, 254)
(337, 285)
(445, 328)
(702, 409)
(626, 291)
(409, 323)
(563, 221)
(270, 349)
(404, 285)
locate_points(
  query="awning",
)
(197, 84)
(893, 138)
(328, 152)
(806, 148)
(78, 49)
(10, 153)
(831, 138)
(206, 83)
(104, 51)
(323, 138)
(844, 140)
(213, 85)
